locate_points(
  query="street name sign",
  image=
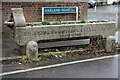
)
(59, 10)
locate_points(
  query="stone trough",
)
(65, 31)
(58, 35)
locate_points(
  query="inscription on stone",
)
(26, 34)
(63, 32)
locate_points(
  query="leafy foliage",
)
(82, 21)
(57, 23)
(45, 22)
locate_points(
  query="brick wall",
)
(33, 10)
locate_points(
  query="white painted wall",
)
(110, 1)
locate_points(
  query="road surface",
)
(105, 68)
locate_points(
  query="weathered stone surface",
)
(32, 49)
(19, 19)
(110, 44)
(48, 32)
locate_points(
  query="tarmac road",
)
(111, 13)
(105, 68)
(103, 13)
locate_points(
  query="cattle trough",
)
(57, 35)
